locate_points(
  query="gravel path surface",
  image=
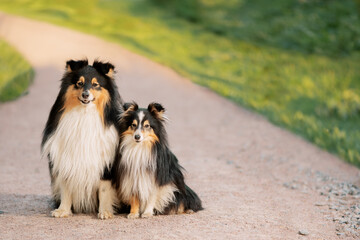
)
(256, 180)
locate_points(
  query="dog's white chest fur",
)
(80, 149)
(138, 178)
(139, 169)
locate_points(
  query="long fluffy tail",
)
(185, 202)
(190, 200)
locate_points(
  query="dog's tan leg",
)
(107, 199)
(135, 206)
(64, 209)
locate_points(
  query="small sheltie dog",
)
(146, 173)
(81, 138)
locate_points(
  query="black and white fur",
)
(80, 139)
(147, 175)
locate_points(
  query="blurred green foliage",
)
(296, 62)
(15, 73)
(190, 10)
(329, 27)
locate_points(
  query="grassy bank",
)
(296, 62)
(16, 73)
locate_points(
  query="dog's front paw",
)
(133, 215)
(61, 213)
(146, 215)
(105, 215)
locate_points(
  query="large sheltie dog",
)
(147, 174)
(81, 137)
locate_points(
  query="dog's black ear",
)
(72, 65)
(157, 110)
(130, 106)
(104, 68)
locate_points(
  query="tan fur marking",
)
(146, 122)
(131, 108)
(135, 205)
(102, 97)
(94, 81)
(172, 212)
(181, 209)
(80, 82)
(135, 122)
(150, 135)
(158, 114)
(148, 144)
(129, 131)
(71, 98)
(110, 73)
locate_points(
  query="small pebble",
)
(343, 221)
(334, 207)
(304, 232)
(342, 202)
(287, 185)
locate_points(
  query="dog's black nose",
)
(85, 94)
(137, 137)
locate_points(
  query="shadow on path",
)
(24, 205)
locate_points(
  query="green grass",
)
(327, 27)
(15, 73)
(296, 62)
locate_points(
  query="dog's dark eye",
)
(133, 125)
(95, 85)
(80, 84)
(147, 126)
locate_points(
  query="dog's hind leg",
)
(107, 199)
(64, 209)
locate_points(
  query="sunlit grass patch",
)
(15, 73)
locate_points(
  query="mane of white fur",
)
(80, 148)
(139, 168)
(139, 175)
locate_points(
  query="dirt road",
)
(256, 180)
